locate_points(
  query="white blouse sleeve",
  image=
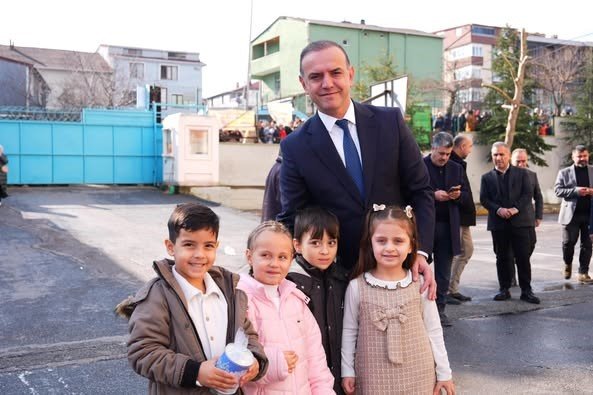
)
(432, 323)
(350, 329)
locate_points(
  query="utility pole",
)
(248, 84)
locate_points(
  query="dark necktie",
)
(351, 157)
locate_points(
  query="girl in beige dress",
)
(392, 338)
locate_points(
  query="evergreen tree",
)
(581, 123)
(505, 61)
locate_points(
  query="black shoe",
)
(567, 271)
(529, 297)
(444, 319)
(504, 294)
(451, 300)
(460, 297)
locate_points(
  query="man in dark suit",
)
(574, 184)
(506, 192)
(450, 189)
(271, 205)
(351, 155)
(462, 147)
(520, 158)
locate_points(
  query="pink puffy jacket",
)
(293, 328)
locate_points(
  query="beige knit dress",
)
(393, 351)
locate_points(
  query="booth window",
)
(167, 142)
(198, 142)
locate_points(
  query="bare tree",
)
(89, 87)
(513, 104)
(556, 69)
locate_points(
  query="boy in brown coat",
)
(181, 321)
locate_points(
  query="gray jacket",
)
(566, 188)
(164, 345)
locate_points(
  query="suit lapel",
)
(367, 129)
(323, 146)
(590, 171)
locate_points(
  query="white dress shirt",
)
(337, 134)
(430, 316)
(208, 311)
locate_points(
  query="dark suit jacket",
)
(537, 195)
(271, 204)
(453, 176)
(313, 174)
(467, 208)
(520, 196)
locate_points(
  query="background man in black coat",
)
(449, 188)
(506, 192)
(462, 147)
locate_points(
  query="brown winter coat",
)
(164, 345)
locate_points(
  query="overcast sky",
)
(219, 29)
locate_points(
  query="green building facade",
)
(275, 53)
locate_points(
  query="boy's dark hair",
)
(316, 220)
(366, 258)
(192, 217)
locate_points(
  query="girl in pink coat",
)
(278, 310)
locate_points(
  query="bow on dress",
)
(390, 320)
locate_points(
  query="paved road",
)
(71, 254)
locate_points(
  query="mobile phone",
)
(455, 188)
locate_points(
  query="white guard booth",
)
(190, 150)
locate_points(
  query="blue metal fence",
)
(105, 147)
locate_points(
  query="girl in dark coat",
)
(317, 275)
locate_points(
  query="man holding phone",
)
(450, 190)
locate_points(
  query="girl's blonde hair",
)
(380, 213)
(271, 226)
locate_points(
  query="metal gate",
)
(105, 147)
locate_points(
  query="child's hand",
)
(291, 360)
(349, 385)
(448, 386)
(250, 374)
(212, 377)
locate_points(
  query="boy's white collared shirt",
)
(208, 312)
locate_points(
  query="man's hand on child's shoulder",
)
(251, 373)
(212, 377)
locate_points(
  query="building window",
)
(133, 52)
(466, 51)
(164, 98)
(483, 31)
(176, 55)
(198, 142)
(169, 73)
(277, 84)
(467, 72)
(137, 70)
(177, 99)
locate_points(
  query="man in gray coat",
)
(573, 185)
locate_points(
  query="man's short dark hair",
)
(192, 217)
(442, 139)
(320, 45)
(459, 140)
(316, 220)
(580, 148)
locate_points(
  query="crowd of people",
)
(341, 297)
(269, 132)
(465, 121)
